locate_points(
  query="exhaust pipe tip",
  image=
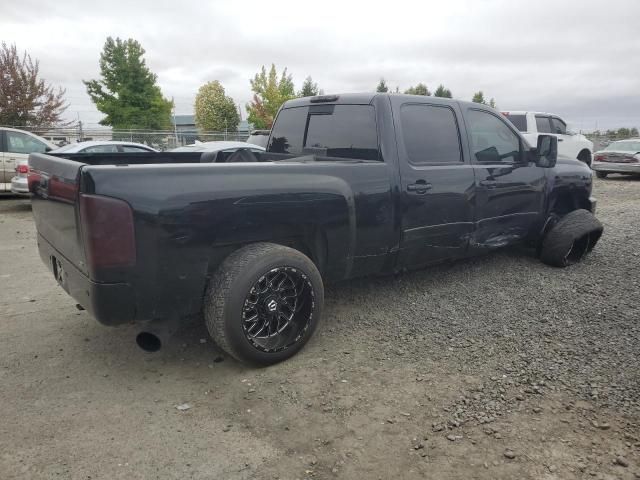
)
(149, 342)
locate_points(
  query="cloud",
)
(575, 58)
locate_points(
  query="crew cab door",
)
(437, 181)
(509, 188)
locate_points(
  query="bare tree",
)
(25, 99)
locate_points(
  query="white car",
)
(15, 147)
(105, 146)
(622, 156)
(570, 144)
(220, 146)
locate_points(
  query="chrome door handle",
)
(488, 183)
(419, 187)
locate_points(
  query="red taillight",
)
(22, 169)
(108, 232)
(599, 158)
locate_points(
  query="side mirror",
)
(47, 149)
(546, 151)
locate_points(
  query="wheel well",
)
(585, 156)
(566, 202)
(312, 244)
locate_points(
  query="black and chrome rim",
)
(278, 309)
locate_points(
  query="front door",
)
(437, 182)
(509, 188)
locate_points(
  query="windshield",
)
(624, 146)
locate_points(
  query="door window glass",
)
(559, 126)
(101, 149)
(22, 143)
(134, 149)
(492, 140)
(430, 134)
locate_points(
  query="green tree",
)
(269, 95)
(382, 86)
(419, 89)
(478, 97)
(633, 132)
(127, 92)
(309, 88)
(215, 111)
(623, 133)
(442, 92)
(26, 100)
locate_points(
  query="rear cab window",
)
(338, 131)
(543, 124)
(518, 120)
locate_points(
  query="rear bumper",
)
(20, 185)
(109, 303)
(616, 167)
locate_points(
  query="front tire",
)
(600, 174)
(264, 303)
(573, 237)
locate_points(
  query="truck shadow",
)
(192, 345)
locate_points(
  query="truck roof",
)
(356, 99)
(523, 112)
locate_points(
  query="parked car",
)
(350, 185)
(223, 148)
(259, 137)
(105, 146)
(15, 147)
(570, 144)
(622, 156)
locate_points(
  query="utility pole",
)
(80, 132)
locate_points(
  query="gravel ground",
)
(496, 367)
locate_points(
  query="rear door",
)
(509, 188)
(437, 181)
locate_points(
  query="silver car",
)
(622, 156)
(15, 147)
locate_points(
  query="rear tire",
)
(264, 303)
(573, 237)
(600, 174)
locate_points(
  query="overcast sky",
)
(576, 58)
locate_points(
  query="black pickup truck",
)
(350, 185)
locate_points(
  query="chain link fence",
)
(158, 139)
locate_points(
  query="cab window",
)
(559, 126)
(18, 142)
(543, 125)
(492, 141)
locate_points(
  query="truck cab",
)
(570, 144)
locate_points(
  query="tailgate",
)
(54, 181)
